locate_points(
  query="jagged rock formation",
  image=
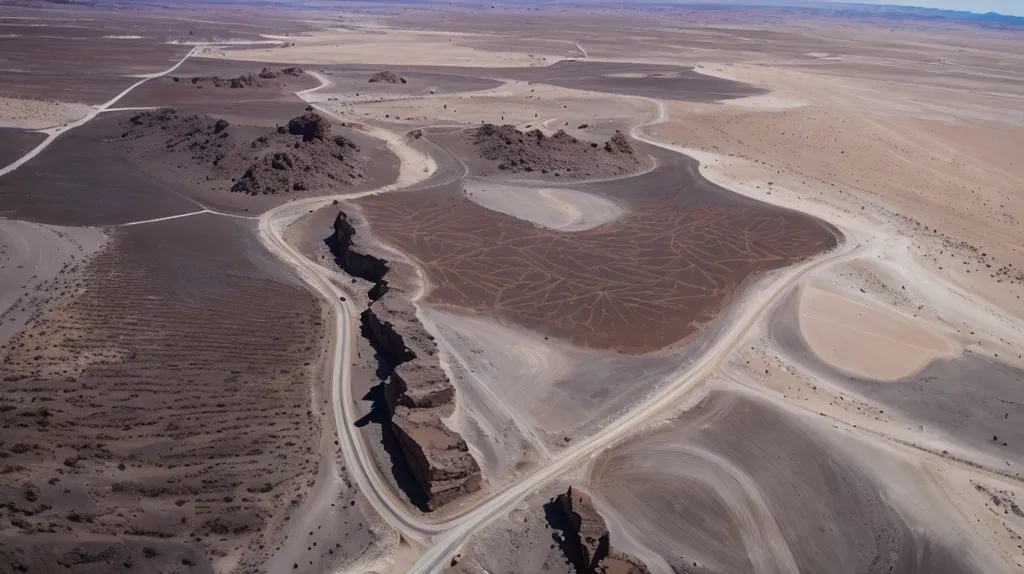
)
(243, 81)
(356, 264)
(417, 393)
(247, 80)
(300, 156)
(386, 77)
(560, 155)
(268, 74)
(310, 126)
(584, 536)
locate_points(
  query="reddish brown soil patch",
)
(166, 398)
(635, 285)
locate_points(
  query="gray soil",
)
(63, 53)
(352, 79)
(656, 81)
(79, 181)
(646, 80)
(15, 143)
(735, 482)
(977, 399)
(95, 176)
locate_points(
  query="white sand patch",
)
(774, 101)
(862, 337)
(561, 209)
(501, 374)
(36, 262)
(39, 114)
(123, 37)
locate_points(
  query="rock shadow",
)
(381, 414)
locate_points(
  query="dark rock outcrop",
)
(354, 262)
(244, 81)
(560, 154)
(310, 126)
(300, 156)
(584, 537)
(417, 394)
(387, 77)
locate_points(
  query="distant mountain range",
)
(896, 12)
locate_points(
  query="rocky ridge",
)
(417, 393)
(386, 77)
(560, 154)
(301, 155)
(584, 538)
(247, 80)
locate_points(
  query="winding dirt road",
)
(444, 539)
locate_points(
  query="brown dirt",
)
(167, 397)
(298, 157)
(102, 555)
(559, 155)
(640, 283)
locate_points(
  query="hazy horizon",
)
(1008, 7)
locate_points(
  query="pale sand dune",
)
(38, 114)
(519, 103)
(561, 209)
(38, 262)
(857, 335)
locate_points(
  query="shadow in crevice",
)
(561, 517)
(380, 335)
(380, 415)
(356, 264)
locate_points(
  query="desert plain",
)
(360, 287)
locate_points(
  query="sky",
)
(1012, 7)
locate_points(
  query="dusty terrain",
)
(389, 279)
(681, 250)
